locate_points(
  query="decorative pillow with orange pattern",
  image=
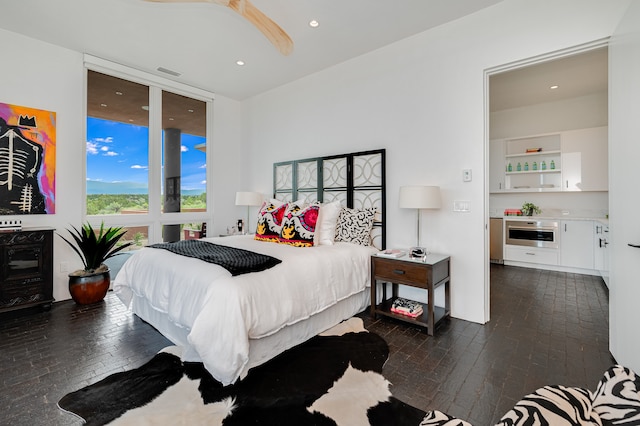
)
(270, 220)
(299, 225)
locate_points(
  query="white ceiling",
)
(577, 75)
(203, 41)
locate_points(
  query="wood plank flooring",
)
(546, 328)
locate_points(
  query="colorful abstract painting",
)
(27, 160)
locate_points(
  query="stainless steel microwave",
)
(534, 233)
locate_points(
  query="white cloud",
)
(183, 148)
(92, 148)
(111, 153)
(104, 148)
(203, 182)
(204, 166)
(138, 166)
(108, 139)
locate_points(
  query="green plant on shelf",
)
(528, 209)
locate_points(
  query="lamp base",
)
(418, 252)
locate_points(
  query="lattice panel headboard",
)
(357, 180)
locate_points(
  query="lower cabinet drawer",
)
(543, 256)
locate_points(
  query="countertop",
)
(602, 220)
(553, 214)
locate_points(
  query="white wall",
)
(569, 114)
(423, 100)
(624, 151)
(228, 171)
(44, 76)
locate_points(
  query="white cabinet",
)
(598, 246)
(542, 256)
(496, 165)
(585, 160)
(575, 160)
(576, 244)
(533, 163)
(600, 250)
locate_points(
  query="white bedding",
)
(222, 313)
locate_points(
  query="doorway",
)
(557, 92)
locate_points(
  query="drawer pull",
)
(530, 254)
(398, 271)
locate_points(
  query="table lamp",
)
(419, 197)
(248, 199)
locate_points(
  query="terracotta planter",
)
(192, 234)
(89, 289)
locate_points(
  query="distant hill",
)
(96, 187)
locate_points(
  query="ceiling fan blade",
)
(222, 2)
(276, 35)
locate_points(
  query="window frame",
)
(154, 218)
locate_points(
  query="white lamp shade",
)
(249, 199)
(420, 197)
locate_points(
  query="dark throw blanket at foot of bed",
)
(235, 260)
(328, 380)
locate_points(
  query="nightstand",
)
(427, 273)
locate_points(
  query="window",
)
(117, 146)
(146, 155)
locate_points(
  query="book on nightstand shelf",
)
(412, 314)
(406, 307)
(391, 253)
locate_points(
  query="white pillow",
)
(327, 222)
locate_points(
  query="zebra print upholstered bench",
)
(616, 401)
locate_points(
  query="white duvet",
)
(223, 312)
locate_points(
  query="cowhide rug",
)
(332, 379)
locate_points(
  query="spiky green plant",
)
(95, 249)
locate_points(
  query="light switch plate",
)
(462, 206)
(466, 175)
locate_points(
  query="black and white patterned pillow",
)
(354, 226)
(553, 405)
(438, 418)
(617, 397)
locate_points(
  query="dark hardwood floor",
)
(546, 328)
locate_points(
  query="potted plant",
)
(528, 209)
(193, 231)
(90, 285)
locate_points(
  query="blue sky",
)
(118, 152)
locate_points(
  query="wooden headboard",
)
(357, 180)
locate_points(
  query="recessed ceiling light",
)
(240, 62)
(314, 24)
(145, 107)
(119, 93)
(103, 105)
(170, 118)
(554, 87)
(190, 110)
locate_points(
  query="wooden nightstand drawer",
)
(400, 272)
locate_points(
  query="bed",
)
(234, 323)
